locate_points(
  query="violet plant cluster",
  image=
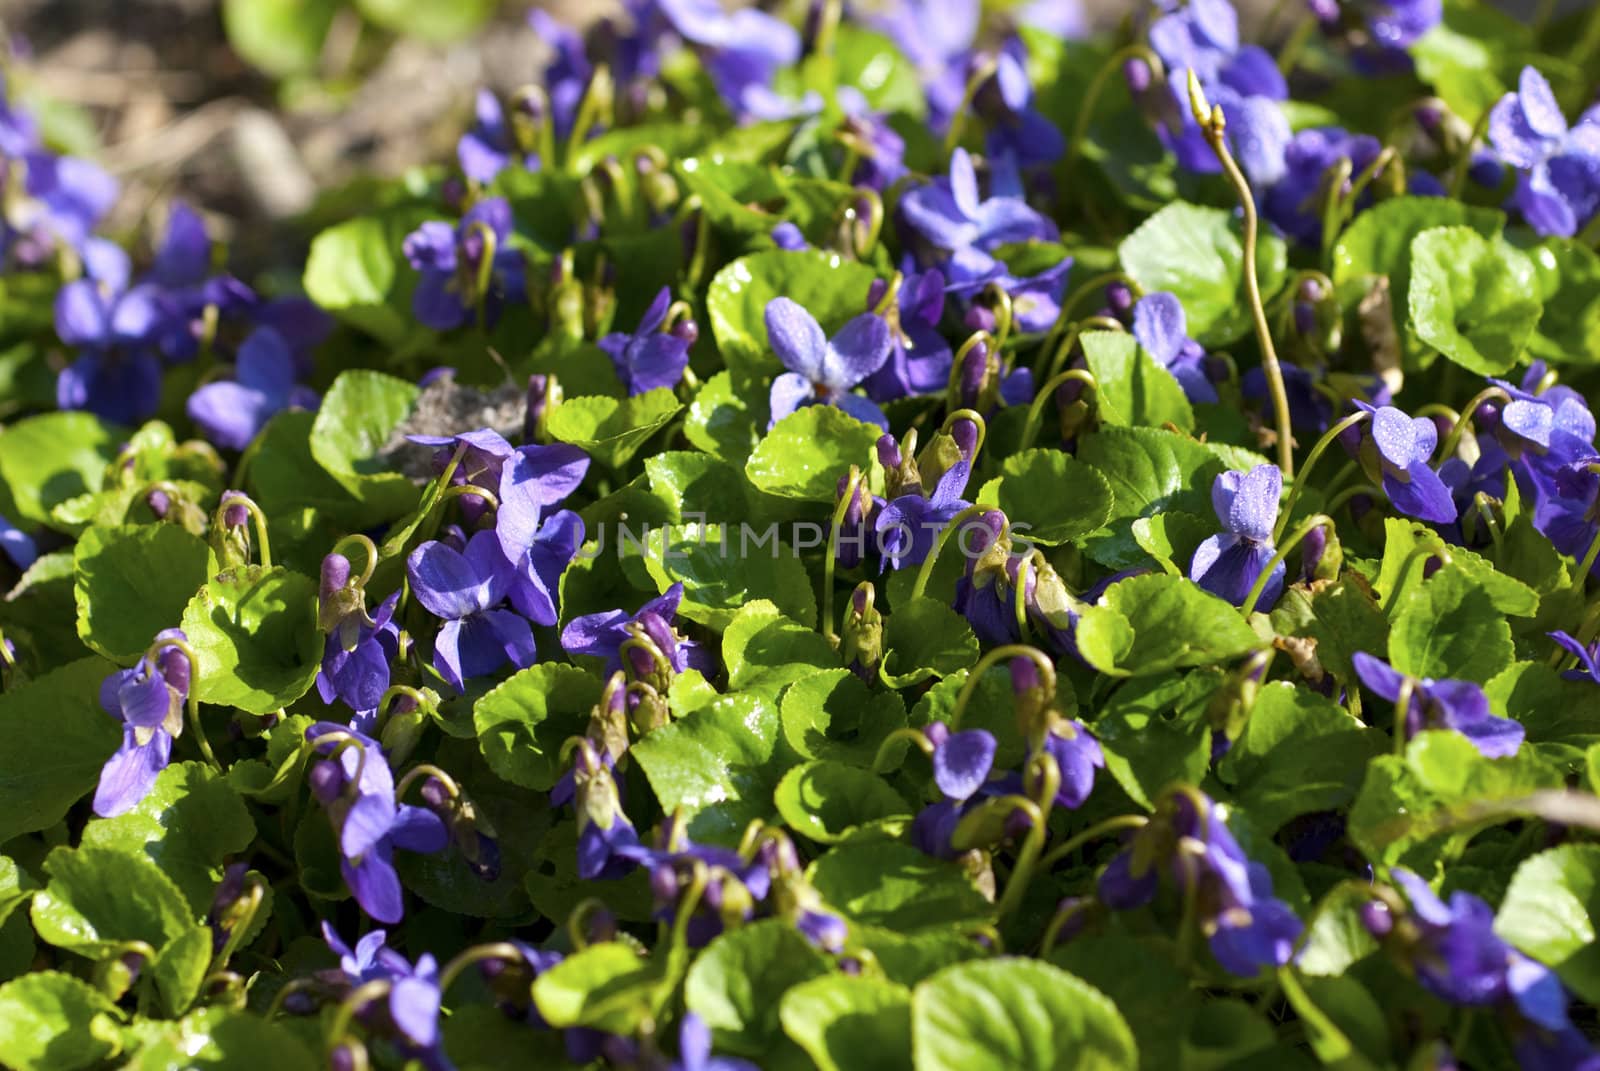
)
(911, 534)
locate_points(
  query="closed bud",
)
(862, 636)
(401, 734)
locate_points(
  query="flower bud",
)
(862, 635)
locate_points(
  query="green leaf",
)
(1570, 273)
(1561, 717)
(435, 20)
(356, 419)
(833, 715)
(887, 883)
(765, 651)
(1300, 752)
(1378, 243)
(1346, 620)
(1053, 498)
(284, 477)
(523, 722)
(1131, 388)
(1409, 547)
(221, 1039)
(825, 800)
(607, 986)
(831, 288)
(53, 1022)
(716, 764)
(1449, 628)
(737, 983)
(1145, 749)
(1197, 253)
(850, 1023)
(57, 739)
(1471, 57)
(1473, 300)
(16, 887)
(254, 633)
(47, 459)
(609, 430)
(723, 570)
(923, 639)
(1150, 471)
(1174, 623)
(720, 421)
(1443, 786)
(132, 581)
(806, 454)
(1172, 538)
(1550, 911)
(698, 485)
(1336, 938)
(1150, 990)
(282, 37)
(98, 898)
(180, 968)
(188, 824)
(875, 65)
(1016, 1015)
(354, 271)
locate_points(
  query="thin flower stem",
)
(1094, 832)
(1582, 577)
(1482, 504)
(958, 121)
(595, 104)
(1047, 675)
(258, 518)
(1463, 162)
(1447, 449)
(1337, 502)
(852, 486)
(1030, 426)
(1299, 37)
(426, 769)
(1320, 520)
(976, 418)
(1189, 924)
(1020, 598)
(1032, 845)
(485, 273)
(880, 761)
(1402, 707)
(366, 544)
(1004, 313)
(1058, 922)
(236, 934)
(925, 572)
(477, 954)
(1091, 98)
(490, 499)
(578, 918)
(351, 1006)
(865, 241)
(1328, 439)
(1214, 131)
(290, 988)
(191, 703)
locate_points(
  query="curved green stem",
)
(965, 414)
(1058, 922)
(1032, 845)
(852, 486)
(880, 761)
(1320, 520)
(1582, 577)
(1337, 502)
(1030, 426)
(490, 499)
(1402, 707)
(1214, 127)
(865, 242)
(1328, 439)
(1463, 163)
(1447, 448)
(1091, 98)
(258, 518)
(596, 103)
(476, 954)
(191, 703)
(427, 769)
(351, 1006)
(1004, 313)
(1094, 832)
(577, 919)
(958, 120)
(1019, 600)
(365, 544)
(925, 572)
(1083, 291)
(1047, 675)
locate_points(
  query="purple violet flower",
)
(149, 701)
(451, 262)
(1396, 450)
(231, 413)
(1558, 180)
(1228, 565)
(821, 370)
(1443, 704)
(1161, 328)
(602, 635)
(649, 357)
(464, 589)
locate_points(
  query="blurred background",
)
(260, 111)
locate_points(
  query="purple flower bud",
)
(889, 457)
(327, 781)
(159, 502)
(1376, 917)
(965, 433)
(1119, 297)
(1311, 548)
(335, 575)
(342, 1057)
(235, 515)
(980, 318)
(1024, 676)
(974, 370)
(664, 884)
(1138, 75)
(858, 599)
(876, 292)
(686, 331)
